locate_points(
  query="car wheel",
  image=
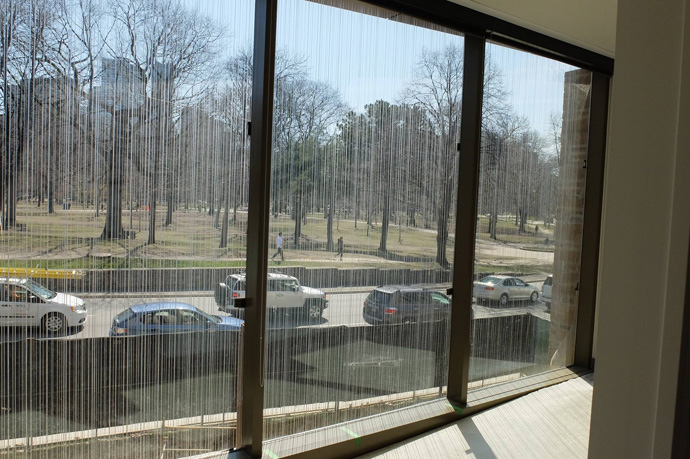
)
(54, 323)
(312, 310)
(504, 300)
(533, 297)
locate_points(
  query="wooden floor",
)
(549, 423)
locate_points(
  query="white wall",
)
(645, 233)
(590, 24)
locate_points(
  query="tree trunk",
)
(441, 240)
(331, 210)
(98, 199)
(411, 218)
(383, 246)
(152, 208)
(493, 219)
(51, 196)
(298, 218)
(226, 214)
(171, 206)
(113, 220)
(224, 229)
(216, 217)
(444, 212)
(13, 172)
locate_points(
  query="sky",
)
(369, 58)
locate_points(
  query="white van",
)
(26, 303)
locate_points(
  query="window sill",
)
(361, 436)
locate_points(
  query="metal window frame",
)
(680, 446)
(250, 410)
(476, 27)
(591, 227)
(472, 22)
(466, 218)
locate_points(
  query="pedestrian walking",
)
(340, 248)
(279, 247)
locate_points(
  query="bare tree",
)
(437, 89)
(169, 46)
(84, 21)
(234, 110)
(305, 110)
(13, 13)
(498, 143)
(31, 38)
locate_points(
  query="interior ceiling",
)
(589, 24)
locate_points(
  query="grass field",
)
(71, 239)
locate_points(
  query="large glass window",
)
(123, 193)
(535, 127)
(124, 201)
(364, 173)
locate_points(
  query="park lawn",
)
(506, 231)
(71, 239)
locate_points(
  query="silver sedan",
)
(504, 289)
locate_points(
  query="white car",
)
(25, 303)
(504, 289)
(284, 293)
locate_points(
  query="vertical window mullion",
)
(591, 230)
(250, 415)
(466, 217)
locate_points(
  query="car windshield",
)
(39, 290)
(491, 280)
(124, 315)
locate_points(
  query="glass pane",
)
(123, 192)
(364, 173)
(531, 204)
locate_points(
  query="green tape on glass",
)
(358, 440)
(271, 454)
(456, 408)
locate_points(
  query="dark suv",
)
(405, 304)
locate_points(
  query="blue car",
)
(157, 318)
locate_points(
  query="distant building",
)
(122, 84)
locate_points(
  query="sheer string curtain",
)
(531, 204)
(123, 196)
(123, 193)
(366, 120)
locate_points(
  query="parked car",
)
(546, 290)
(284, 293)
(26, 303)
(405, 304)
(504, 289)
(155, 318)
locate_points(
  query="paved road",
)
(343, 309)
